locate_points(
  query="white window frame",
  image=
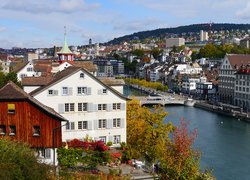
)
(65, 90)
(69, 107)
(82, 107)
(81, 90)
(116, 106)
(116, 122)
(102, 107)
(116, 139)
(82, 125)
(102, 123)
(103, 139)
(70, 126)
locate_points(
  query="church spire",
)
(65, 54)
(65, 49)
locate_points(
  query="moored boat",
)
(189, 102)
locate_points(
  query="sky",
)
(40, 23)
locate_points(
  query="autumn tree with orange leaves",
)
(150, 138)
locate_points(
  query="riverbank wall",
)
(220, 110)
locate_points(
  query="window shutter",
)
(111, 138)
(90, 107)
(60, 108)
(90, 125)
(123, 122)
(99, 91)
(95, 107)
(123, 106)
(55, 92)
(70, 91)
(89, 91)
(109, 123)
(109, 107)
(72, 124)
(95, 124)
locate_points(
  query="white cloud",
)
(47, 7)
(244, 13)
(2, 29)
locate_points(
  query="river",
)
(223, 141)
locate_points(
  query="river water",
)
(223, 141)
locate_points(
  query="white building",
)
(155, 74)
(27, 70)
(170, 42)
(203, 35)
(92, 108)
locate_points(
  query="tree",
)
(147, 135)
(138, 52)
(181, 161)
(4, 78)
(150, 138)
(18, 161)
(156, 52)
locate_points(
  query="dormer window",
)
(82, 75)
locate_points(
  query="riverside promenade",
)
(224, 109)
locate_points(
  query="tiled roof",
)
(11, 92)
(238, 59)
(19, 66)
(36, 81)
(112, 81)
(69, 71)
(87, 65)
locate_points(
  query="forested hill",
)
(178, 30)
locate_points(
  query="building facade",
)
(93, 108)
(228, 68)
(242, 88)
(23, 118)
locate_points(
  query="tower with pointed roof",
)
(65, 54)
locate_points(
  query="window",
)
(65, 90)
(2, 129)
(23, 75)
(116, 122)
(11, 109)
(102, 138)
(81, 90)
(82, 106)
(116, 106)
(46, 153)
(29, 69)
(102, 123)
(70, 126)
(36, 130)
(102, 107)
(104, 91)
(12, 131)
(116, 139)
(69, 107)
(50, 92)
(82, 124)
(82, 75)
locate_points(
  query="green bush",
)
(18, 161)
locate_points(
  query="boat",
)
(189, 102)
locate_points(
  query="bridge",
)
(162, 100)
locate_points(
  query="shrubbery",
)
(18, 161)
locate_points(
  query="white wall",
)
(28, 89)
(94, 99)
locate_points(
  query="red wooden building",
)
(25, 119)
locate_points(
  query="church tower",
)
(65, 54)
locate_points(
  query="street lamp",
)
(53, 141)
